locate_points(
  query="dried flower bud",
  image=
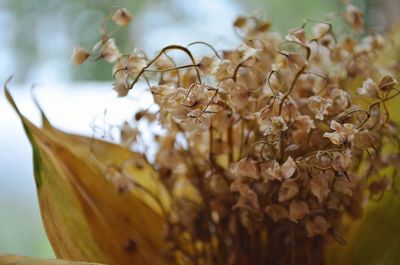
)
(122, 17)
(283, 172)
(387, 83)
(240, 22)
(79, 55)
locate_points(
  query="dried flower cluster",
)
(267, 146)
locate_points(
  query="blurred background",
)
(36, 40)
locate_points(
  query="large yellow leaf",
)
(101, 155)
(374, 239)
(19, 260)
(85, 217)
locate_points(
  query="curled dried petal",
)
(369, 88)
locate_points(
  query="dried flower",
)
(304, 123)
(319, 106)
(283, 172)
(122, 17)
(121, 87)
(109, 51)
(131, 64)
(354, 17)
(343, 133)
(320, 30)
(79, 55)
(319, 186)
(240, 97)
(209, 65)
(246, 168)
(297, 35)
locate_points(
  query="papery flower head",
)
(342, 134)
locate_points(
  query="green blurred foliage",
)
(64, 23)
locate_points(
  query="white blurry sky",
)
(73, 106)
